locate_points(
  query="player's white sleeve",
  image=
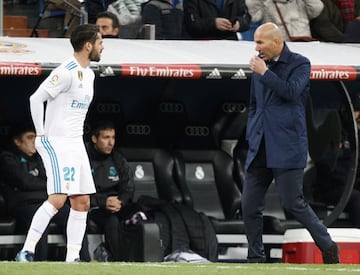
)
(37, 100)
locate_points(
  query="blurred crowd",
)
(324, 20)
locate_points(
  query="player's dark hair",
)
(83, 34)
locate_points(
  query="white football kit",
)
(68, 92)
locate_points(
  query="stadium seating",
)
(17, 26)
(46, 13)
(205, 178)
(153, 173)
(153, 176)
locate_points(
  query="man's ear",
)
(88, 46)
(277, 41)
(93, 139)
(17, 141)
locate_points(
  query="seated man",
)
(108, 24)
(352, 31)
(114, 185)
(23, 174)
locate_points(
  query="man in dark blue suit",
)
(277, 138)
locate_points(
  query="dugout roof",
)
(219, 59)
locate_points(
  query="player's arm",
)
(37, 100)
(58, 81)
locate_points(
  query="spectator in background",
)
(23, 174)
(352, 31)
(114, 185)
(351, 15)
(108, 24)
(296, 14)
(166, 16)
(128, 13)
(329, 25)
(215, 19)
(94, 7)
(350, 9)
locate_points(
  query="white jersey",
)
(71, 91)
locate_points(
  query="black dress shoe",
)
(331, 256)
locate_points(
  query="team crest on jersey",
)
(54, 79)
(80, 75)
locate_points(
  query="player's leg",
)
(39, 223)
(50, 152)
(80, 203)
(76, 225)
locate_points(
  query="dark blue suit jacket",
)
(277, 112)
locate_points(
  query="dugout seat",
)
(205, 178)
(7, 223)
(228, 131)
(45, 13)
(153, 173)
(152, 170)
(7, 228)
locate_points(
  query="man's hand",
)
(236, 27)
(223, 24)
(113, 204)
(258, 65)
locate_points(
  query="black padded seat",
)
(153, 173)
(205, 178)
(7, 223)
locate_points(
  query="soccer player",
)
(68, 92)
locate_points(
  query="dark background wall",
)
(161, 112)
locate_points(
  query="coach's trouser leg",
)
(257, 181)
(289, 183)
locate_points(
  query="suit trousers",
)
(289, 184)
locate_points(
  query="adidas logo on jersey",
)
(215, 74)
(240, 74)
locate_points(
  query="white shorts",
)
(67, 165)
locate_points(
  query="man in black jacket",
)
(23, 175)
(166, 16)
(329, 25)
(216, 19)
(114, 185)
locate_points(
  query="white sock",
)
(38, 225)
(75, 232)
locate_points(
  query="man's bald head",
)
(269, 41)
(270, 31)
